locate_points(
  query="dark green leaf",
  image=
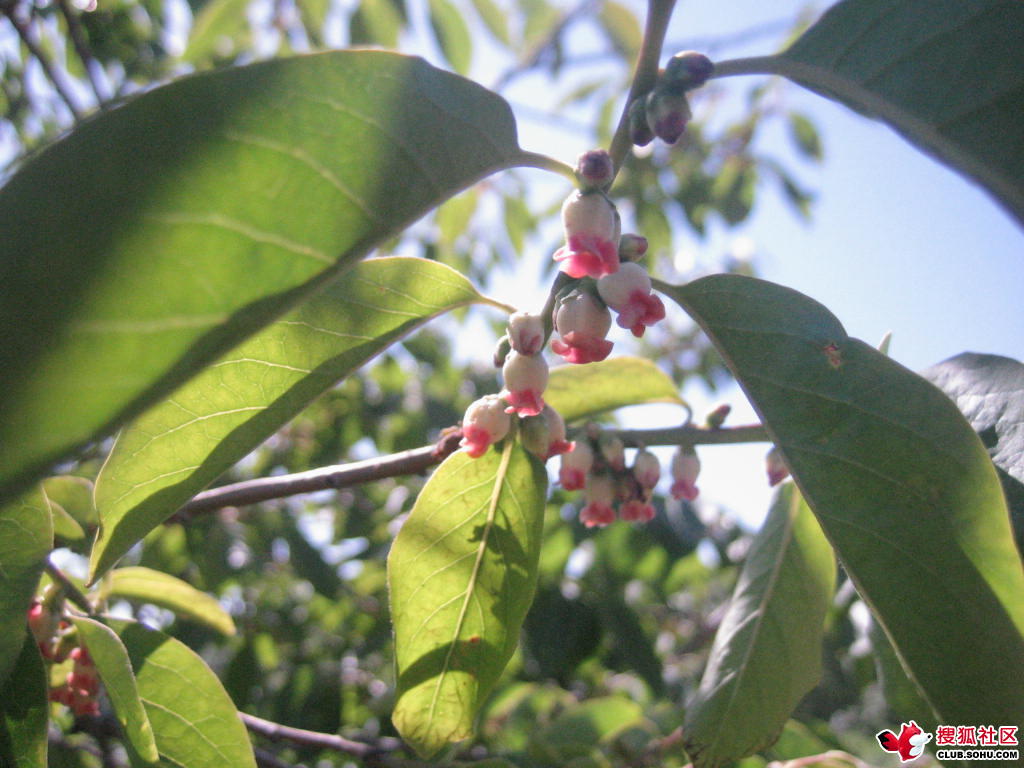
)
(115, 670)
(900, 483)
(581, 391)
(166, 591)
(576, 731)
(376, 22)
(903, 699)
(26, 538)
(462, 573)
(180, 446)
(24, 711)
(452, 34)
(158, 235)
(805, 135)
(947, 74)
(767, 651)
(194, 722)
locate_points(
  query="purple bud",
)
(687, 70)
(594, 169)
(632, 247)
(639, 133)
(668, 112)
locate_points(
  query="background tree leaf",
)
(767, 652)
(462, 573)
(194, 722)
(177, 448)
(26, 538)
(582, 391)
(25, 711)
(115, 670)
(948, 75)
(220, 32)
(166, 591)
(159, 234)
(900, 483)
(452, 34)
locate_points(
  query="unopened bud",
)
(687, 70)
(501, 350)
(594, 169)
(775, 467)
(632, 247)
(646, 469)
(484, 424)
(613, 451)
(668, 112)
(685, 469)
(526, 333)
(544, 435)
(640, 132)
(575, 466)
(717, 417)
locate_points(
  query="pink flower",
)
(628, 292)
(637, 511)
(526, 378)
(575, 466)
(582, 322)
(775, 467)
(685, 468)
(484, 424)
(526, 333)
(613, 450)
(600, 495)
(591, 226)
(646, 469)
(544, 435)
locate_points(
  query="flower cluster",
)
(80, 691)
(665, 111)
(57, 642)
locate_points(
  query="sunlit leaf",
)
(166, 591)
(25, 711)
(899, 481)
(26, 538)
(158, 235)
(947, 74)
(180, 446)
(115, 670)
(452, 34)
(65, 527)
(194, 722)
(376, 22)
(74, 495)
(767, 652)
(581, 391)
(622, 27)
(494, 18)
(462, 573)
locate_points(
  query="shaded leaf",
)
(26, 538)
(158, 235)
(220, 31)
(74, 495)
(194, 722)
(115, 670)
(575, 732)
(900, 483)
(948, 75)
(180, 446)
(767, 651)
(452, 34)
(622, 27)
(494, 18)
(804, 135)
(166, 591)
(902, 697)
(375, 22)
(462, 573)
(582, 391)
(25, 711)
(65, 527)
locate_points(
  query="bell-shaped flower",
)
(582, 322)
(775, 467)
(646, 469)
(591, 226)
(637, 511)
(544, 435)
(628, 292)
(575, 466)
(685, 468)
(613, 451)
(526, 333)
(526, 378)
(484, 424)
(600, 496)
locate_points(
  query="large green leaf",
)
(194, 722)
(462, 573)
(166, 591)
(158, 235)
(180, 446)
(24, 711)
(947, 74)
(900, 483)
(115, 670)
(582, 391)
(26, 538)
(767, 652)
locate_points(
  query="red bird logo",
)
(908, 745)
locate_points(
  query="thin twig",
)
(74, 594)
(691, 435)
(25, 33)
(78, 39)
(277, 732)
(260, 489)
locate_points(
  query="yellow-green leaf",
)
(581, 391)
(166, 591)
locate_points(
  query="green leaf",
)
(194, 722)
(582, 391)
(65, 527)
(177, 596)
(74, 495)
(622, 27)
(494, 18)
(452, 34)
(220, 31)
(115, 670)
(462, 573)
(805, 136)
(900, 483)
(167, 230)
(376, 22)
(180, 446)
(576, 731)
(767, 651)
(26, 538)
(25, 711)
(946, 74)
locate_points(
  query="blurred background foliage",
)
(624, 617)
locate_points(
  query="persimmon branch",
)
(71, 590)
(81, 44)
(28, 38)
